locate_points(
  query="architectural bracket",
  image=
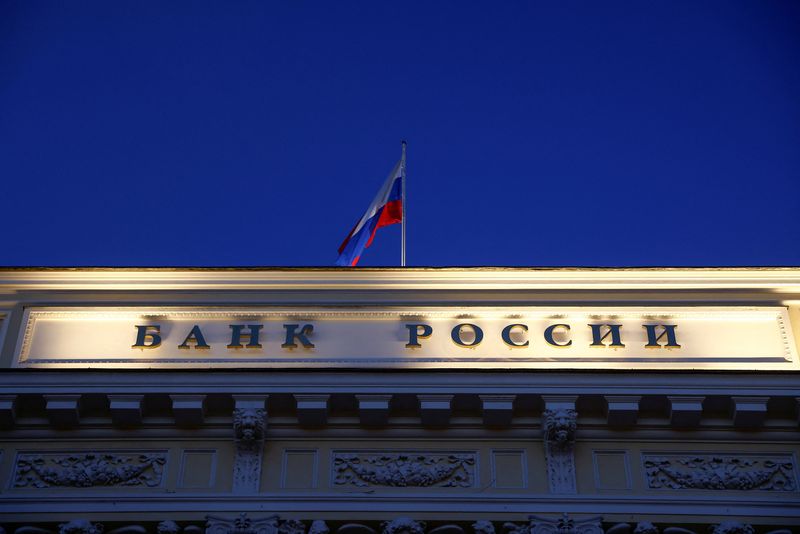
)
(63, 410)
(8, 410)
(249, 429)
(188, 410)
(312, 409)
(498, 410)
(559, 421)
(685, 411)
(126, 410)
(373, 410)
(435, 410)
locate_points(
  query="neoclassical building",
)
(399, 401)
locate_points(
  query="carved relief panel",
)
(142, 469)
(720, 472)
(420, 469)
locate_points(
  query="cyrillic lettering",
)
(196, 337)
(455, 334)
(613, 330)
(252, 336)
(506, 335)
(145, 333)
(548, 335)
(416, 331)
(653, 340)
(302, 336)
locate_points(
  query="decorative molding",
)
(732, 527)
(80, 526)
(720, 472)
(46, 381)
(128, 529)
(435, 409)
(686, 411)
(327, 311)
(8, 410)
(403, 525)
(373, 410)
(126, 410)
(645, 527)
(497, 410)
(622, 410)
(749, 412)
(558, 429)
(90, 469)
(63, 410)
(312, 408)
(362, 513)
(483, 527)
(318, 526)
(447, 528)
(404, 469)
(241, 525)
(780, 280)
(356, 528)
(249, 426)
(562, 525)
(291, 526)
(188, 409)
(168, 527)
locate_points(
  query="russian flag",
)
(385, 209)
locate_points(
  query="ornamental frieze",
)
(721, 472)
(243, 524)
(92, 469)
(561, 525)
(404, 469)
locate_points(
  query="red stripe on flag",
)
(392, 213)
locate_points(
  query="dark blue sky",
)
(540, 134)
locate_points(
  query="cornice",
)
(401, 382)
(779, 280)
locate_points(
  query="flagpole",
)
(403, 203)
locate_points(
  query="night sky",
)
(539, 133)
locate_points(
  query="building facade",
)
(415, 401)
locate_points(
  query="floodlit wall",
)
(127, 436)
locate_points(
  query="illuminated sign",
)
(477, 338)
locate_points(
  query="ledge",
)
(782, 279)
